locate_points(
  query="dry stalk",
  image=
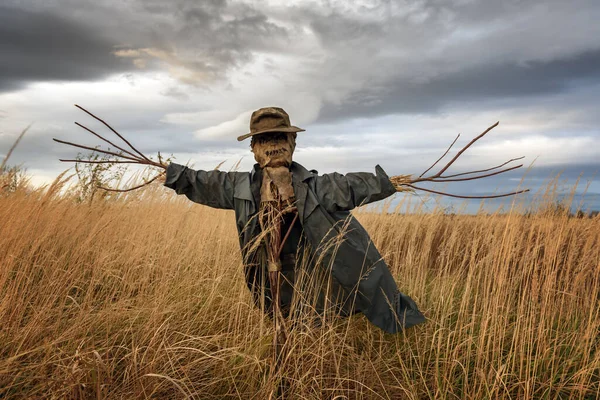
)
(401, 182)
(12, 148)
(7, 176)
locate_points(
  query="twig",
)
(483, 170)
(477, 177)
(114, 131)
(104, 139)
(405, 182)
(469, 197)
(99, 151)
(443, 155)
(99, 161)
(133, 188)
(466, 147)
(125, 157)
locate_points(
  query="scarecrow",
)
(284, 212)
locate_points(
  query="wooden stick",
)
(469, 197)
(280, 336)
(443, 155)
(99, 162)
(114, 131)
(130, 189)
(465, 148)
(483, 170)
(287, 234)
(106, 140)
(476, 177)
(99, 150)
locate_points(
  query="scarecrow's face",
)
(273, 149)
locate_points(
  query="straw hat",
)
(269, 119)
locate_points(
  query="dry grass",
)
(144, 297)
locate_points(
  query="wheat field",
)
(143, 296)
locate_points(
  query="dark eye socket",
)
(271, 137)
(279, 136)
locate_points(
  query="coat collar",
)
(306, 204)
(298, 172)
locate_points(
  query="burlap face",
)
(274, 149)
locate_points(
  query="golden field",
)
(143, 296)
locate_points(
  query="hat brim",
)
(289, 129)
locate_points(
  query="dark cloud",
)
(391, 58)
(70, 40)
(470, 85)
(40, 46)
(358, 60)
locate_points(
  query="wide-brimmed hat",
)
(269, 119)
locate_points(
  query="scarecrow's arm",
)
(337, 192)
(212, 188)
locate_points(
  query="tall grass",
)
(143, 295)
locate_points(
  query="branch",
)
(99, 151)
(469, 197)
(465, 148)
(483, 170)
(114, 131)
(133, 188)
(405, 183)
(443, 155)
(475, 177)
(99, 161)
(106, 140)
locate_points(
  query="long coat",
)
(324, 203)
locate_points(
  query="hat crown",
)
(268, 118)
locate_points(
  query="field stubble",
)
(144, 296)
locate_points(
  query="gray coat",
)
(324, 203)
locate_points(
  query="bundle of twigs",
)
(406, 183)
(124, 156)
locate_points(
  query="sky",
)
(372, 82)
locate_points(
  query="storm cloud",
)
(372, 81)
(40, 46)
(471, 85)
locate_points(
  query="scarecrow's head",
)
(273, 137)
(273, 149)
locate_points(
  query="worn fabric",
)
(336, 238)
(277, 185)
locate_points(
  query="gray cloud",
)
(40, 46)
(470, 85)
(197, 42)
(427, 56)
(388, 80)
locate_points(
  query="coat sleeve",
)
(212, 188)
(337, 192)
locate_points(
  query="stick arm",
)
(406, 183)
(127, 154)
